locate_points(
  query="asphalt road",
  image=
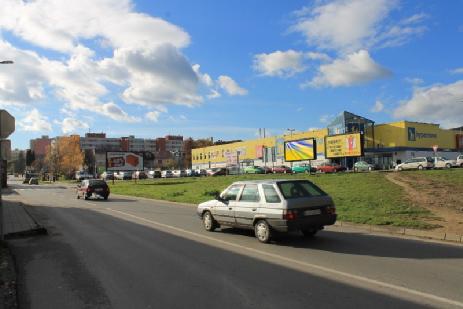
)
(129, 253)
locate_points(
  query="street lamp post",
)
(1, 176)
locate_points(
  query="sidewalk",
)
(17, 220)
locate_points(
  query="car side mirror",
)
(221, 199)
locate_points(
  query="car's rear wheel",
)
(78, 196)
(400, 168)
(106, 198)
(356, 169)
(262, 231)
(309, 232)
(448, 165)
(208, 222)
(369, 168)
(85, 197)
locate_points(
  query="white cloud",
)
(318, 56)
(146, 68)
(35, 122)
(414, 81)
(153, 116)
(356, 68)
(214, 94)
(113, 111)
(71, 125)
(438, 104)
(457, 71)
(279, 63)
(347, 26)
(378, 107)
(230, 86)
(59, 25)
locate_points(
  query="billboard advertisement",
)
(300, 150)
(344, 145)
(123, 161)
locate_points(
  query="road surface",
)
(130, 253)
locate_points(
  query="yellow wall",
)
(247, 149)
(426, 135)
(386, 135)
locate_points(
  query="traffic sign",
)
(7, 124)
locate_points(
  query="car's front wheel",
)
(356, 169)
(420, 167)
(262, 231)
(78, 196)
(208, 222)
(448, 165)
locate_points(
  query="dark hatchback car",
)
(96, 188)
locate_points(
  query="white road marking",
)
(304, 264)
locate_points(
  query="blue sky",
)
(226, 68)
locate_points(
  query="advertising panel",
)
(300, 150)
(344, 145)
(123, 161)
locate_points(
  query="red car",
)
(330, 168)
(282, 170)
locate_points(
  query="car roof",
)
(266, 181)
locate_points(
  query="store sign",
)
(344, 145)
(123, 161)
(300, 150)
(413, 135)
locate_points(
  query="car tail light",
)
(289, 215)
(331, 210)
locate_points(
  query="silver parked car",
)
(443, 162)
(270, 206)
(416, 163)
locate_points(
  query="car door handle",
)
(230, 208)
(254, 209)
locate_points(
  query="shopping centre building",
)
(347, 139)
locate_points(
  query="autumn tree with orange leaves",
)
(65, 156)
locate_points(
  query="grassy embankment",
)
(366, 198)
(450, 177)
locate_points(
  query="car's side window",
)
(250, 194)
(232, 193)
(271, 195)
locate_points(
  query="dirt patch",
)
(445, 201)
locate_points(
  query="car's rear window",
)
(298, 189)
(97, 182)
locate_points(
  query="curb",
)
(37, 230)
(401, 231)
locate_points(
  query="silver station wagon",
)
(269, 207)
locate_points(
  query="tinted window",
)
(298, 189)
(97, 182)
(250, 194)
(271, 195)
(232, 193)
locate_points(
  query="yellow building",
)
(383, 144)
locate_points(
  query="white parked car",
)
(442, 162)
(167, 174)
(416, 163)
(460, 160)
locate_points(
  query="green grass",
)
(367, 198)
(452, 177)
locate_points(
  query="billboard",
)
(344, 145)
(300, 150)
(123, 161)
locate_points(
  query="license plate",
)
(98, 189)
(312, 212)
